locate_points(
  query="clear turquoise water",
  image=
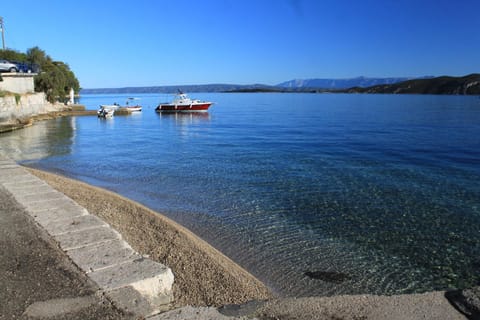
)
(371, 193)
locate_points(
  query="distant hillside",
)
(184, 88)
(341, 83)
(469, 84)
(442, 85)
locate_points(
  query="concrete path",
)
(134, 283)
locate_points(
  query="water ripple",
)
(378, 191)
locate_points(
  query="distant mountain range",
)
(440, 85)
(184, 88)
(342, 83)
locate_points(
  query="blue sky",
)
(158, 42)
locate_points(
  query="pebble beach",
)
(204, 277)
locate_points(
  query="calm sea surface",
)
(315, 194)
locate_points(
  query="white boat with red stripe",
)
(182, 103)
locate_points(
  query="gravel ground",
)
(35, 275)
(203, 275)
(432, 305)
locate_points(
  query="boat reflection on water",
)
(186, 124)
(185, 118)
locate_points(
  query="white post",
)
(72, 96)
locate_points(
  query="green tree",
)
(37, 56)
(12, 55)
(55, 77)
(51, 81)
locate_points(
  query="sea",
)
(314, 194)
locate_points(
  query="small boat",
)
(106, 110)
(132, 108)
(182, 103)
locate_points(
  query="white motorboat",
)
(106, 110)
(182, 103)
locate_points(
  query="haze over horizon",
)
(159, 43)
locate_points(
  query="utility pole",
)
(3, 32)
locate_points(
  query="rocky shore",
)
(21, 122)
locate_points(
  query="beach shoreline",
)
(205, 277)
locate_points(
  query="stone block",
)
(34, 199)
(13, 175)
(45, 217)
(5, 164)
(144, 275)
(12, 169)
(64, 203)
(106, 254)
(21, 179)
(14, 186)
(72, 224)
(88, 237)
(29, 189)
(133, 301)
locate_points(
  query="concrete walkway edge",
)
(134, 283)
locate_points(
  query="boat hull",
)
(133, 109)
(105, 113)
(194, 107)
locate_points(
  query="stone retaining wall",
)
(18, 82)
(23, 106)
